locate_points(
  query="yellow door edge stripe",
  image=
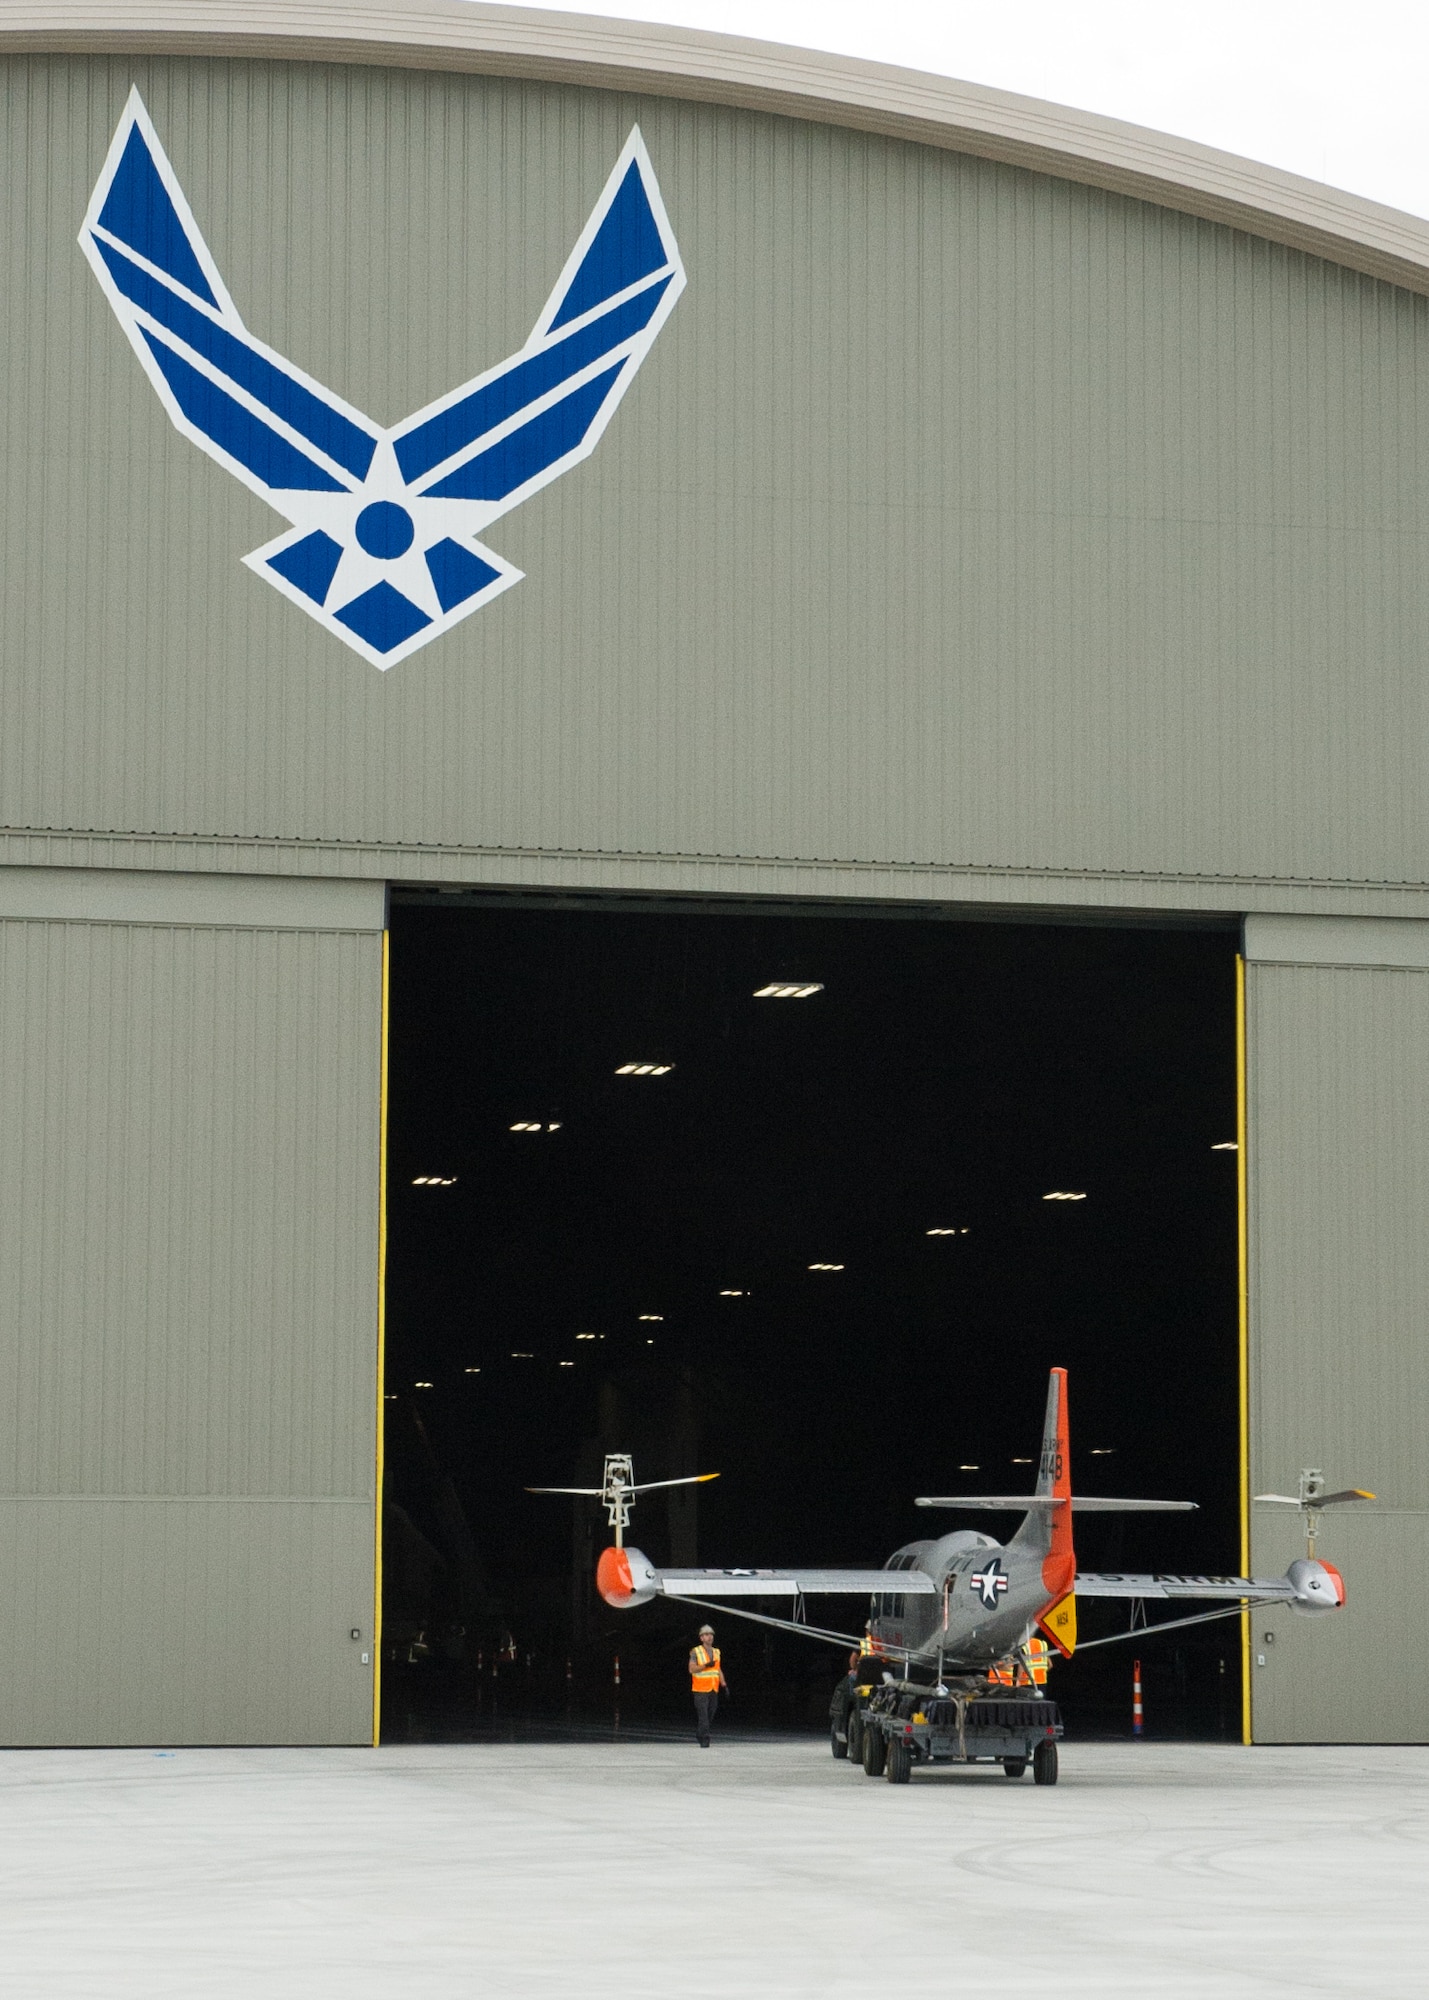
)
(381, 1364)
(1243, 1337)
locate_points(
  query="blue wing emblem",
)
(382, 543)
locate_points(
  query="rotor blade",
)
(1022, 1503)
(1084, 1504)
(695, 1479)
(589, 1492)
(1323, 1500)
(1175, 1624)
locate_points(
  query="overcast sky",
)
(1336, 92)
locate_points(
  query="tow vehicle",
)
(893, 1729)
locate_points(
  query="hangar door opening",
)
(812, 1201)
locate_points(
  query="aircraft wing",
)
(1091, 1583)
(1026, 1503)
(792, 1582)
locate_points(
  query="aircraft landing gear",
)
(1014, 1767)
(1044, 1764)
(875, 1753)
(899, 1768)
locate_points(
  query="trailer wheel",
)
(837, 1743)
(875, 1752)
(855, 1735)
(900, 1762)
(1044, 1764)
(1014, 1767)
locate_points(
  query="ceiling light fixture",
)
(826, 1267)
(644, 1069)
(734, 1295)
(1021, 1461)
(969, 1468)
(947, 1232)
(471, 1371)
(1099, 1451)
(565, 1364)
(434, 1180)
(585, 1336)
(789, 989)
(652, 1316)
(1061, 1194)
(421, 1385)
(518, 1354)
(1226, 1146)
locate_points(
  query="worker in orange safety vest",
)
(1013, 1673)
(706, 1680)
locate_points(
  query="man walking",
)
(706, 1680)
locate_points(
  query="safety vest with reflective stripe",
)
(704, 1670)
(1011, 1673)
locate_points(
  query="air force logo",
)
(382, 546)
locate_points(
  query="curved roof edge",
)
(606, 54)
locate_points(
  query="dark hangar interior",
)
(824, 1243)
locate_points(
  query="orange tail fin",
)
(1054, 1476)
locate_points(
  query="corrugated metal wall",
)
(961, 519)
(1339, 1182)
(958, 516)
(189, 1200)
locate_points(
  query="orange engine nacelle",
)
(625, 1577)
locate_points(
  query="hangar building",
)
(1020, 514)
